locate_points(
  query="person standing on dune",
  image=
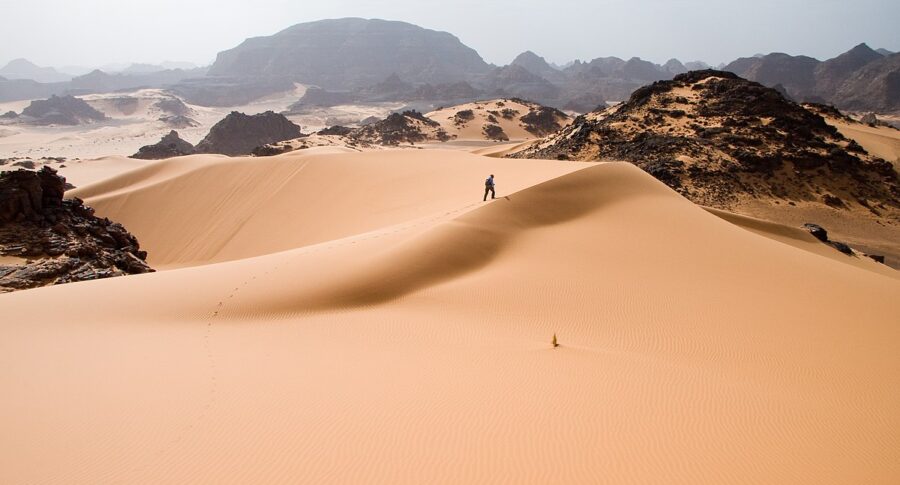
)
(489, 187)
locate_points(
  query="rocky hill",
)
(719, 140)
(60, 110)
(500, 120)
(169, 146)
(238, 133)
(46, 240)
(352, 53)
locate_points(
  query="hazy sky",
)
(97, 32)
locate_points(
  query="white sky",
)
(98, 32)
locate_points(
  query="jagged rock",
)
(833, 201)
(238, 134)
(841, 247)
(817, 231)
(397, 128)
(174, 107)
(869, 119)
(179, 122)
(876, 257)
(342, 130)
(542, 121)
(61, 110)
(62, 239)
(169, 146)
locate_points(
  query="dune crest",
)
(418, 349)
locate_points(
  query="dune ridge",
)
(692, 350)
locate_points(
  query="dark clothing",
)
(489, 187)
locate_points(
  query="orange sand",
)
(402, 335)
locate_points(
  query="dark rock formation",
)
(59, 241)
(719, 139)
(65, 110)
(179, 122)
(406, 127)
(173, 106)
(170, 146)
(495, 132)
(817, 231)
(542, 120)
(9, 115)
(238, 134)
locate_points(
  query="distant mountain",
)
(517, 81)
(861, 78)
(874, 87)
(883, 52)
(675, 67)
(696, 65)
(353, 53)
(795, 73)
(831, 74)
(538, 65)
(24, 69)
(141, 68)
(99, 81)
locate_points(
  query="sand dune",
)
(202, 209)
(409, 343)
(881, 141)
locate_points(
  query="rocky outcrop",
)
(542, 120)
(398, 128)
(169, 146)
(238, 133)
(55, 241)
(719, 139)
(173, 106)
(61, 110)
(179, 122)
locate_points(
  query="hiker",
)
(489, 187)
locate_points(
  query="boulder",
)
(817, 231)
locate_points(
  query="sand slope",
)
(881, 141)
(693, 351)
(202, 209)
